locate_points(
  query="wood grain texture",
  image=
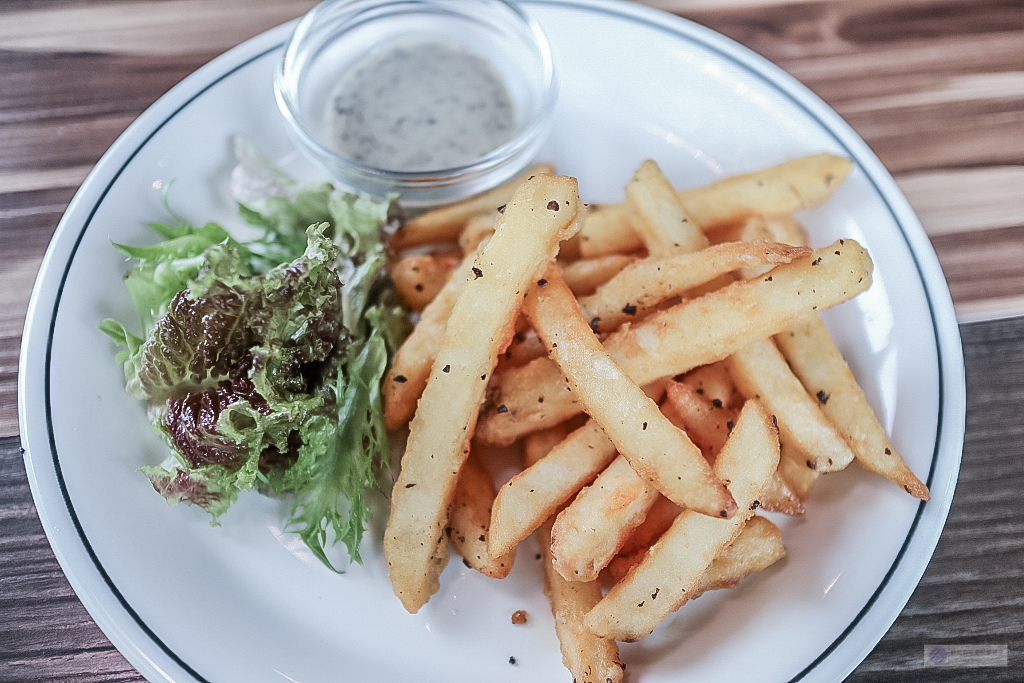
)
(935, 87)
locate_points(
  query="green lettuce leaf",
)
(263, 360)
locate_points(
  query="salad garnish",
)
(261, 359)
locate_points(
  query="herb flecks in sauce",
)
(420, 106)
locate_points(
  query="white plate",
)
(244, 602)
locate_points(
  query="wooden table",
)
(935, 87)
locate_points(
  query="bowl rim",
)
(285, 92)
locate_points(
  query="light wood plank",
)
(146, 28)
(963, 200)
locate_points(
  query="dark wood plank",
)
(973, 590)
(45, 632)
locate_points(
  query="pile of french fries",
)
(664, 368)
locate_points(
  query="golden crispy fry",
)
(608, 229)
(542, 212)
(642, 285)
(419, 278)
(656, 449)
(796, 470)
(620, 499)
(537, 445)
(761, 372)
(787, 230)
(524, 348)
(779, 497)
(707, 421)
(780, 229)
(410, 369)
(709, 424)
(478, 228)
(659, 518)
(471, 517)
(756, 547)
(671, 572)
(754, 229)
(540, 396)
(795, 185)
(819, 365)
(713, 382)
(659, 217)
(590, 531)
(685, 336)
(584, 276)
(537, 492)
(444, 224)
(589, 658)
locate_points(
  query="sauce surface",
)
(420, 106)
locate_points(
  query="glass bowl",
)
(337, 35)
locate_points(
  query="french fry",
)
(608, 229)
(787, 230)
(621, 499)
(585, 275)
(589, 532)
(655, 448)
(664, 225)
(671, 572)
(685, 336)
(761, 372)
(708, 423)
(407, 376)
(478, 228)
(795, 185)
(470, 520)
(713, 382)
(538, 445)
(542, 212)
(419, 278)
(779, 497)
(823, 371)
(537, 492)
(589, 658)
(444, 225)
(525, 347)
(541, 399)
(757, 546)
(658, 520)
(796, 470)
(643, 284)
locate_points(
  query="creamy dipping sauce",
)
(420, 106)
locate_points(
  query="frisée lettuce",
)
(261, 360)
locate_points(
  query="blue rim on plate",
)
(157, 661)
